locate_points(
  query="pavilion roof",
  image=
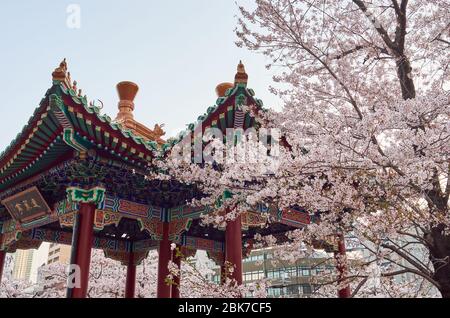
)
(231, 96)
(65, 123)
(66, 126)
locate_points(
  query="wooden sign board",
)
(27, 206)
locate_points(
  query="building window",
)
(291, 271)
(254, 258)
(252, 276)
(292, 290)
(307, 290)
(274, 274)
(274, 292)
(304, 271)
(216, 279)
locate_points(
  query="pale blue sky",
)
(176, 51)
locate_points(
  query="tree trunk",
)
(440, 257)
(404, 70)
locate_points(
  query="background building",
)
(290, 280)
(59, 253)
(23, 260)
(27, 262)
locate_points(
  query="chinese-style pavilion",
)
(78, 177)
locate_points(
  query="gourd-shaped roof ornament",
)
(241, 76)
(60, 73)
(127, 92)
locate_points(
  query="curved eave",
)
(26, 132)
(41, 143)
(35, 144)
(221, 115)
(92, 113)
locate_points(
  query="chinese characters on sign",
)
(27, 206)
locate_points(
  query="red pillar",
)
(165, 256)
(342, 267)
(233, 248)
(85, 234)
(177, 280)
(130, 285)
(2, 263)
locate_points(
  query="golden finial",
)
(63, 64)
(241, 67)
(59, 74)
(241, 76)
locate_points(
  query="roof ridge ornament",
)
(241, 76)
(93, 104)
(60, 73)
(127, 93)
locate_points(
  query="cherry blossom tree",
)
(107, 280)
(196, 280)
(364, 136)
(366, 118)
(364, 140)
(9, 287)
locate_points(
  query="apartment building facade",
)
(59, 253)
(289, 280)
(23, 261)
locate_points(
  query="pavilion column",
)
(83, 249)
(233, 248)
(165, 256)
(2, 263)
(177, 280)
(83, 237)
(341, 259)
(130, 287)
